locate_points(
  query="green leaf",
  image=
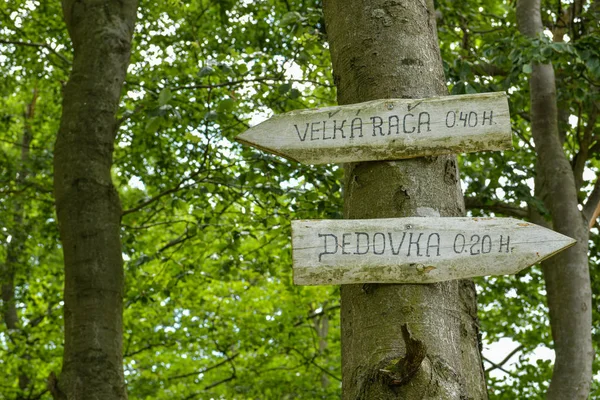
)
(580, 94)
(470, 89)
(191, 138)
(164, 96)
(152, 125)
(205, 71)
(291, 18)
(242, 69)
(594, 66)
(284, 88)
(294, 94)
(465, 71)
(225, 105)
(547, 51)
(527, 68)
(226, 69)
(211, 116)
(303, 58)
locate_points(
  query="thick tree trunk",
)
(567, 274)
(87, 203)
(400, 341)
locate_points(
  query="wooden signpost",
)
(403, 250)
(417, 250)
(387, 129)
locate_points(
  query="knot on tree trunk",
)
(400, 371)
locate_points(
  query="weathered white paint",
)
(417, 249)
(387, 129)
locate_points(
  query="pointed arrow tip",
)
(569, 241)
(564, 242)
(248, 138)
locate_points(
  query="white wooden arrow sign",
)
(417, 250)
(387, 129)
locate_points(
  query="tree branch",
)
(487, 69)
(499, 367)
(313, 362)
(496, 206)
(504, 361)
(205, 370)
(174, 189)
(524, 139)
(148, 347)
(584, 147)
(591, 209)
(212, 385)
(31, 44)
(317, 314)
(243, 81)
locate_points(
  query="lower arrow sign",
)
(417, 250)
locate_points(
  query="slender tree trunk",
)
(567, 274)
(400, 341)
(87, 203)
(322, 330)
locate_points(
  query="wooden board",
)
(417, 250)
(387, 129)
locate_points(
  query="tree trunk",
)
(400, 341)
(87, 203)
(566, 274)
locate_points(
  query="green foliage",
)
(210, 309)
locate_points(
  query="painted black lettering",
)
(396, 124)
(473, 244)
(462, 245)
(397, 251)
(302, 137)
(507, 244)
(358, 245)
(324, 131)
(404, 124)
(335, 246)
(377, 124)
(424, 114)
(487, 118)
(382, 243)
(486, 244)
(345, 243)
(429, 245)
(332, 113)
(472, 119)
(463, 118)
(413, 107)
(340, 129)
(448, 124)
(357, 127)
(313, 131)
(411, 242)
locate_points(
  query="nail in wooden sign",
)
(417, 250)
(387, 129)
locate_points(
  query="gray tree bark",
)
(87, 203)
(566, 274)
(400, 341)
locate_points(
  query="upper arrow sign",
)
(417, 250)
(387, 129)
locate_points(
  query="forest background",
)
(210, 310)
